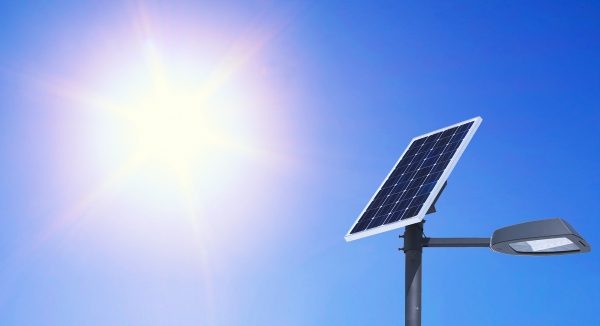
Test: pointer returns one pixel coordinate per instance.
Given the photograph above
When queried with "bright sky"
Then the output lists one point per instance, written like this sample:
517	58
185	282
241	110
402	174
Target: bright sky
199	162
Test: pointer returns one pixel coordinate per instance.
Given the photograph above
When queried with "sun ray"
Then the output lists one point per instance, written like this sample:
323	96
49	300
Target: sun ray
173	125
248	45
71	216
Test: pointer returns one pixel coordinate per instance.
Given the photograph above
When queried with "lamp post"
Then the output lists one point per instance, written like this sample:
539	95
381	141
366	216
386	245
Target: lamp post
411	190
537	238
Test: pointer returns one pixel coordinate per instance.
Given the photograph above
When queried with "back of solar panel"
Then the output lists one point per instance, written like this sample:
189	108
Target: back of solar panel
411	187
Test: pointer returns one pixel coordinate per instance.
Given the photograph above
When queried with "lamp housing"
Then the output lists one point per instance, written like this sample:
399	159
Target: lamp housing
552	236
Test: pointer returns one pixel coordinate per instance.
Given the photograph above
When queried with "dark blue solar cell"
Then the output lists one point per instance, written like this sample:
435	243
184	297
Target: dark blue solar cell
446	156
409	193
371	211
399	206
429	162
403	204
391	199
374	205
394	191
444	163
426	147
458	136
435	152
411	212
425	189
385	209
384	192
360	226
406	177
390	182
396	174
405	161
442	142
393	180
394	217
418	142
412	167
417	182
433	177
448	132
426	168
423	172
377	222
377	202
412	151
399	188
440	166
367	220
431	140
419	200
465	127
408	159
382	195
363	220
368	215
419	157
401	168
375	219
452	146
407	167
404	185
414	206
398	171
415	145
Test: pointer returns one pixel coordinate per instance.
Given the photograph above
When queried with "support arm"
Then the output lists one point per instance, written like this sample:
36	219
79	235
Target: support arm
456	242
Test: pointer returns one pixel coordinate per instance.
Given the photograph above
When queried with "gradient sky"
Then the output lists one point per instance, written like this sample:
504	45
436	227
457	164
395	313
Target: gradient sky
199	162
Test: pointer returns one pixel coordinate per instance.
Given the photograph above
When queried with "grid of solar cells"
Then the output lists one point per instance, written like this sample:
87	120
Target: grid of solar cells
409	185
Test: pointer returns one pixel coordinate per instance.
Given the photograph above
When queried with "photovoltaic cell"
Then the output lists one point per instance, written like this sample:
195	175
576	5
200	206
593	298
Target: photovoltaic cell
413	179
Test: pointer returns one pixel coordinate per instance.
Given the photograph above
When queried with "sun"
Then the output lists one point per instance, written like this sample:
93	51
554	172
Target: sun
176	122
168	127
175	115
172	127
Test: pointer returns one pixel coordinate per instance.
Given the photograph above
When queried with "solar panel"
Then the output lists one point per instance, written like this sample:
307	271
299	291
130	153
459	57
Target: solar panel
418	176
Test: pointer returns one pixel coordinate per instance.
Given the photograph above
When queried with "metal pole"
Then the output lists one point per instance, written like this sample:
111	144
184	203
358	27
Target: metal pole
413	250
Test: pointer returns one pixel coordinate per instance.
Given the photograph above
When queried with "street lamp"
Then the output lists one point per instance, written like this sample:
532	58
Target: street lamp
411	190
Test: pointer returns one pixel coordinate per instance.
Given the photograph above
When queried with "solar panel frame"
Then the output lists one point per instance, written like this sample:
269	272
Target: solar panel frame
432	195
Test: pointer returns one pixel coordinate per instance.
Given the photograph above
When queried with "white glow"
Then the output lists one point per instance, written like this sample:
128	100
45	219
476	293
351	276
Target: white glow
538	245
171	128
545	245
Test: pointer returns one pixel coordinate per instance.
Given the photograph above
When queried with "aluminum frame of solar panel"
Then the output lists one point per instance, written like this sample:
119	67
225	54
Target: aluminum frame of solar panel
432	195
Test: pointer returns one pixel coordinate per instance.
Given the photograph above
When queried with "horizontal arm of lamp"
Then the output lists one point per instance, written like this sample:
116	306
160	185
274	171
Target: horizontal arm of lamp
456	242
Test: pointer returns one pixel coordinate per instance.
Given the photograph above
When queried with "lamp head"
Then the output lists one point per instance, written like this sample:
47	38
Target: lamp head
552	236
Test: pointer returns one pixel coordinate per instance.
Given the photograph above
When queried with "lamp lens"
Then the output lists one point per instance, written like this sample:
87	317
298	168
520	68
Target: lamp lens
544	245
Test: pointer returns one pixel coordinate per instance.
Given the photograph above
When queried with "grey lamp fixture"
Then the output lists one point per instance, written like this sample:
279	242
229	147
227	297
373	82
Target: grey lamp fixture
539	238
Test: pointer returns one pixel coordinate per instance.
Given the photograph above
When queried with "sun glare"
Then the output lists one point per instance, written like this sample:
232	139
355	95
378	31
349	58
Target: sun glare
177	116
178	126
171	128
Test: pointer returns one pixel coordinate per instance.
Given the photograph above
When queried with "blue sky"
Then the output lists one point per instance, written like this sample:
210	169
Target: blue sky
199	163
